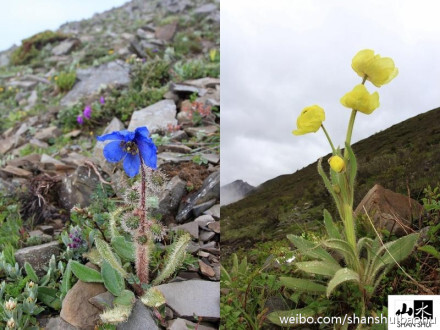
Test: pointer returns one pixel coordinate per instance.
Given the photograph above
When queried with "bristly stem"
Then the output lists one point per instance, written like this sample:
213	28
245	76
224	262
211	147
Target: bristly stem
329	139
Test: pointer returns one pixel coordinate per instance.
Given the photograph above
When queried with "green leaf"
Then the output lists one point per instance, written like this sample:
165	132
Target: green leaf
342	247
67	278
126	298
49	297
318	267
299	284
430	250
30	272
311	249
85	273
393	252
113	280
330	226
107	254
124	248
341	276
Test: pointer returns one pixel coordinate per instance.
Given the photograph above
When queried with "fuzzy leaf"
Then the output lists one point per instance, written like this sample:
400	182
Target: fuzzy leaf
107	254
175	259
85	273
124	248
153	298
113	280
30	272
430	250
299	284
49	297
341	276
330	226
67	277
311	249
118	314
344	248
318	267
126	298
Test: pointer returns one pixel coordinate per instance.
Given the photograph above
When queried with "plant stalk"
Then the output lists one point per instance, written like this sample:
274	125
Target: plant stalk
329	139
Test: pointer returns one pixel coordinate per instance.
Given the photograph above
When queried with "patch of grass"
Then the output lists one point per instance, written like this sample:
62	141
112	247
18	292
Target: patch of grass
66	80
187	43
151	74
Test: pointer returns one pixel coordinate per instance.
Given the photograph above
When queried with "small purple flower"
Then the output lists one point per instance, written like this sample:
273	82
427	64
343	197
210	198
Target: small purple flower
102	100
155	50
130	146
87	111
80	119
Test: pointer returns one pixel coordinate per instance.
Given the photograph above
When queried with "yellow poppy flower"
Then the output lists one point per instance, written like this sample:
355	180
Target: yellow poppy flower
309	120
337	163
359	99
379	70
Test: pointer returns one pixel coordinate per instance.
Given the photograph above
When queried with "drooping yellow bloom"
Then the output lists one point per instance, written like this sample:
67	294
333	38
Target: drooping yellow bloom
359	99
309	120
337	163
379	70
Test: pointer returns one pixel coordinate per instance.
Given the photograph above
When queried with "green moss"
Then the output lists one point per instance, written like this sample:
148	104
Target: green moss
31	47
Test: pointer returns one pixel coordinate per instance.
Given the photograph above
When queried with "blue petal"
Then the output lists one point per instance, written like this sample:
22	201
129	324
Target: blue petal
132	164
123	135
148	150
113	151
142	132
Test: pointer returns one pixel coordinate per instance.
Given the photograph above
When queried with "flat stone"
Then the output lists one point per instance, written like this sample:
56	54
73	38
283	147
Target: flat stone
210	190
206	269
193	247
76	308
191	227
178	135
46	159
32	100
39	144
212	158
57	323
156	117
65	47
195	297
205	9
206	235
207	130
38	256
75	158
166	32
204	220
206	82
47	133
23	84
6	144
215	226
182	324
173	157
202	207
109	168
214	211
73	134
174	147
103	300
46	229
141	318
16	171
114	73
182	89
34	233
171	196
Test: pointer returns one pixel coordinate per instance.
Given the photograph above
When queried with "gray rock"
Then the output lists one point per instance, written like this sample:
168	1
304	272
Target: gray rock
46	159
206	82
143	34
114	125
32	100
5	56
205	9
189	298
78	188
182	89
214	211
209	191
166	32
156	117
173	157
191	227
57	323
38	256
175	6
141	318
174	147
206	235
65	47
46	133
212	158
23	84
178	135
39	144
200	208
206	130
204	220
112	73
182	324
103	300
170	198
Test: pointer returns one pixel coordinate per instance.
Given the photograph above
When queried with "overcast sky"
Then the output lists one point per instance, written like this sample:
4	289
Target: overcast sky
280	56
20	19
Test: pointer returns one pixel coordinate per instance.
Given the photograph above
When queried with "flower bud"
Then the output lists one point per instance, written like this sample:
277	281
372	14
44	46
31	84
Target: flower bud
31	284
10	305
336	189
337	163
11	323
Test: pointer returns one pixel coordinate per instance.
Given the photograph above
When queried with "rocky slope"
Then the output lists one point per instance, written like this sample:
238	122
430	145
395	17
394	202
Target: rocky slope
147	63
234	191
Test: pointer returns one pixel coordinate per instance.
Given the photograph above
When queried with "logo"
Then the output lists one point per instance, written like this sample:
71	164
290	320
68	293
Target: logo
413	311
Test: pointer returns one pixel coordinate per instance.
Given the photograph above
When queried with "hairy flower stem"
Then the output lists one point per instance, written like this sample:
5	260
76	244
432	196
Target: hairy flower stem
329	139
143	249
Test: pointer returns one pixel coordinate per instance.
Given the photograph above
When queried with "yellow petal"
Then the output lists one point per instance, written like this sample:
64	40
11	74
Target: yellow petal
360	99
360	61
310	120
337	163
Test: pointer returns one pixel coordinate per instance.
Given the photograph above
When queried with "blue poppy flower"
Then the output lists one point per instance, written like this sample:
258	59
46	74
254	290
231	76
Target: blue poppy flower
130	146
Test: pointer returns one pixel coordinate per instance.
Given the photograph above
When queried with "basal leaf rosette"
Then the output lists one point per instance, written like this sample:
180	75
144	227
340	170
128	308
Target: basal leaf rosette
361	100
310	120
378	70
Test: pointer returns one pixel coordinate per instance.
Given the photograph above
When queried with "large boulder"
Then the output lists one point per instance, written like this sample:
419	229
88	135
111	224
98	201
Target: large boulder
389	210
38	256
156	117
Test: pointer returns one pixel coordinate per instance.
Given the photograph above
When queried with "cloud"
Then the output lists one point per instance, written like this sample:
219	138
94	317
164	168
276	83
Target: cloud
281	56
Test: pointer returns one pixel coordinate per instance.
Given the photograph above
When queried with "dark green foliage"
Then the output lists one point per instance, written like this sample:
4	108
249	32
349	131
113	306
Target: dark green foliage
31	47
153	73
405	154
10	224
